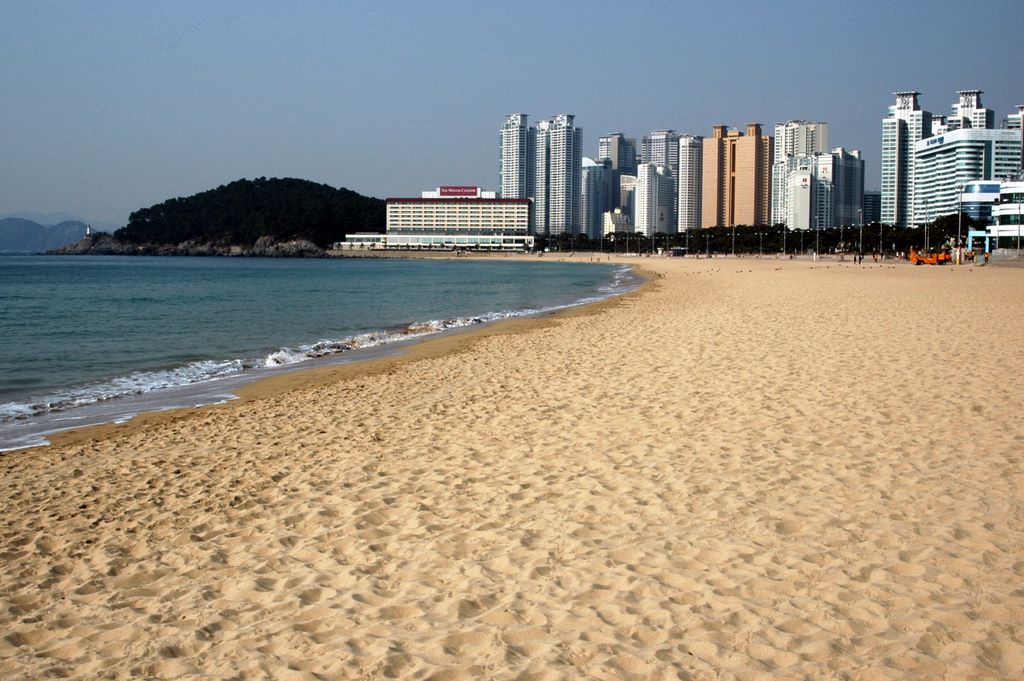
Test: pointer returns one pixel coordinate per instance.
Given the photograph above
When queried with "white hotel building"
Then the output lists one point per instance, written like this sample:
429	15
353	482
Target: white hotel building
459	217
944	164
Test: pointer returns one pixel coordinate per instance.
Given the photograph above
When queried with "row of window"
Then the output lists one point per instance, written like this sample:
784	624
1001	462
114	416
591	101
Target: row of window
508	207
475	219
506	217
466	242
462	229
475	231
443	224
460	213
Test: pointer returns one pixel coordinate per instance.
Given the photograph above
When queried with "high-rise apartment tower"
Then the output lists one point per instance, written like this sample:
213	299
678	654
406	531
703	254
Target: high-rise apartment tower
599	185
905	126
736	186
800	137
655	192
794	138
518	147
969	113
618	149
661	148
689	179
558	172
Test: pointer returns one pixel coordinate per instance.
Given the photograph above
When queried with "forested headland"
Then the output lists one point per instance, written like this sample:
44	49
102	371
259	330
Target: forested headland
243	211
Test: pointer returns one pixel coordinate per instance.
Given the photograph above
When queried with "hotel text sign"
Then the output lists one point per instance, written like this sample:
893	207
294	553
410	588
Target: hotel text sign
457	190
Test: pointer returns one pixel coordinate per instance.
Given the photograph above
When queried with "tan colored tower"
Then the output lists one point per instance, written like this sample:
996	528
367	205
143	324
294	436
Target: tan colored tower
736	187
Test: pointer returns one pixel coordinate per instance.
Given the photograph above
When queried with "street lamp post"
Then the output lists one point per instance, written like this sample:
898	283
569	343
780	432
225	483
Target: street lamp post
927	219
707	247
817	237
959	222
734	240
860	237
760	243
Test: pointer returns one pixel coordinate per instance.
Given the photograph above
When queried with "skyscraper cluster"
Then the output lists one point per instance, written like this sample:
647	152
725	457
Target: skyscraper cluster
676	182
928	159
685	182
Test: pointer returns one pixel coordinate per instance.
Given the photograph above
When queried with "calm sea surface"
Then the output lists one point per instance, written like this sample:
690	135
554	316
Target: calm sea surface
99	339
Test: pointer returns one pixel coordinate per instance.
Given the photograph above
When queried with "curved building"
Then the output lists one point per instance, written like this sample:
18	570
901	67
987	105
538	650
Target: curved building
977	200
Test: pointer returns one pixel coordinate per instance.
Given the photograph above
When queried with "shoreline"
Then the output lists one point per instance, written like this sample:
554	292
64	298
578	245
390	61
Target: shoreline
749	469
340	367
394	352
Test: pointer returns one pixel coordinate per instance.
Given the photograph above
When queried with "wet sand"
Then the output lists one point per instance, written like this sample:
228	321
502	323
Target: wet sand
751	469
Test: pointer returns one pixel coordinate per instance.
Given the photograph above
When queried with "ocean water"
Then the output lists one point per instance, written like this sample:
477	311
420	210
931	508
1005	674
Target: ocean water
99	339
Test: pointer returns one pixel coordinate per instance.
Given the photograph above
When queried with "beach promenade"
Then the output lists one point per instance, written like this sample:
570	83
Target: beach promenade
750	469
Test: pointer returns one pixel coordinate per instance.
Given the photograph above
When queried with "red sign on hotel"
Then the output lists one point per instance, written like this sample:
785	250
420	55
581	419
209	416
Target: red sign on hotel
456	190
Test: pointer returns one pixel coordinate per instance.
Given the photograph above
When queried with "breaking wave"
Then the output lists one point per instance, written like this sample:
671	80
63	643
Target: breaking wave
144	382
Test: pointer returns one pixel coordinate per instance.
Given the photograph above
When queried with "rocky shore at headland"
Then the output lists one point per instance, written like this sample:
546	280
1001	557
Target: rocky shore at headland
266	247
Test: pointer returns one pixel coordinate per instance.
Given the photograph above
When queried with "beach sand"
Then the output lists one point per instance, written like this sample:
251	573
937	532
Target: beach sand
751	469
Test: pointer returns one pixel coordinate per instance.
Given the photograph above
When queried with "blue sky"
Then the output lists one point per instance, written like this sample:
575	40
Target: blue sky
113	106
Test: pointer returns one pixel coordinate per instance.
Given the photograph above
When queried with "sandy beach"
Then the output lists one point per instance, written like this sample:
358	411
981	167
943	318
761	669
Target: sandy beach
750	469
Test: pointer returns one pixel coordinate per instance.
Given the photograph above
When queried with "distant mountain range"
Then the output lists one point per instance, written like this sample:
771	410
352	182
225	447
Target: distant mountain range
57	218
18	235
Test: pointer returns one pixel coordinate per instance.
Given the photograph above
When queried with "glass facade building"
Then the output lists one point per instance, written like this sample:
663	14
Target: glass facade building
978	199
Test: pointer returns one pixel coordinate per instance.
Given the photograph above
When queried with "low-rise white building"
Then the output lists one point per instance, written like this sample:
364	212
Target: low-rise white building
360	241
978	201
453	217
1007	227
616	221
1009	213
